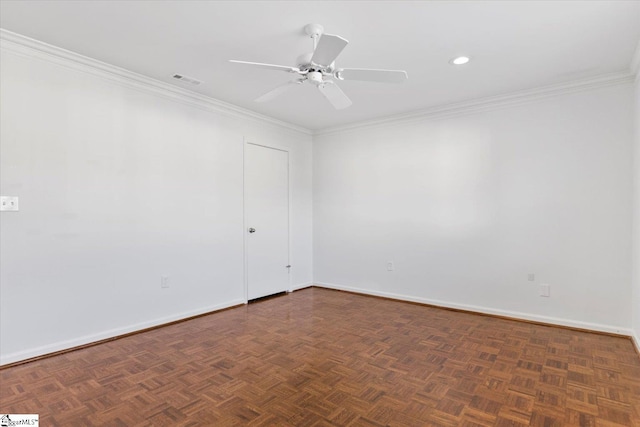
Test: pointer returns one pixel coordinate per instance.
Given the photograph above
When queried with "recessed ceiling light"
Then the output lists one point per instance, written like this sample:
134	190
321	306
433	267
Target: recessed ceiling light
459	60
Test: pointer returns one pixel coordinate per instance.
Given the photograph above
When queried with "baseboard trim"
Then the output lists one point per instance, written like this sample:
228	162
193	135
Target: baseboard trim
38	353
301	286
635	339
503	314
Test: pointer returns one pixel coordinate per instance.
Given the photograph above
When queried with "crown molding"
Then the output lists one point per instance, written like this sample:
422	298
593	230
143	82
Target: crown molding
635	61
25	46
488	103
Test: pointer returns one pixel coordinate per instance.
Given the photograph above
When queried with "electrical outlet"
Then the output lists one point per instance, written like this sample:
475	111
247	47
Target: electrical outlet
9	203
544	290
390	266
531	277
164	282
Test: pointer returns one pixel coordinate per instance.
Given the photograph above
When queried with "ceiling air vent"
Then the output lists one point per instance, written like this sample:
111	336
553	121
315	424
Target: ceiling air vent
186	79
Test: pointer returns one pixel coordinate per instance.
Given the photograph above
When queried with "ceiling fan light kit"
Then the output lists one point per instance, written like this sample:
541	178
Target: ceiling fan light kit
318	68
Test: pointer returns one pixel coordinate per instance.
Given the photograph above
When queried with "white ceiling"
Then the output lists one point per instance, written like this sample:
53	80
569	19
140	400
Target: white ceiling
514	45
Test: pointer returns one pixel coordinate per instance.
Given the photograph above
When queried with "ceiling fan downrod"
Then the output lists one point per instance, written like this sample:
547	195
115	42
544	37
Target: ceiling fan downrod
314	31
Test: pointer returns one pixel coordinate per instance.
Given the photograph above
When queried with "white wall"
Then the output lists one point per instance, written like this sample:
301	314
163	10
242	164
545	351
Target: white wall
635	300
121	185
118	187
467	206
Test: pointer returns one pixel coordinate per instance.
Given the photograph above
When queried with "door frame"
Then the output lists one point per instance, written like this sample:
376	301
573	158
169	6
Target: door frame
246	141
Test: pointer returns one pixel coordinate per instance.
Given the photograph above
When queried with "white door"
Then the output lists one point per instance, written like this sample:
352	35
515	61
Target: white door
267	220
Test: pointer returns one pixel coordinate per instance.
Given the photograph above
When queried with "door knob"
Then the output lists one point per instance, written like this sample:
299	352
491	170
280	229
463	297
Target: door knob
252	230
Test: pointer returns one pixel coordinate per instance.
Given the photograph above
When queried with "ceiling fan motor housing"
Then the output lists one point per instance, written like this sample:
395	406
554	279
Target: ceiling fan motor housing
304	64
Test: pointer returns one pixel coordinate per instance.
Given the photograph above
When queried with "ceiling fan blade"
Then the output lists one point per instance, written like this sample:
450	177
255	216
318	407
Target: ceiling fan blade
335	95
277	91
267	66
328	49
380	76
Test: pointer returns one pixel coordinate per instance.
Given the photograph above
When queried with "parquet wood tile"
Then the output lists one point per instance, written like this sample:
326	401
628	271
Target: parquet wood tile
318	357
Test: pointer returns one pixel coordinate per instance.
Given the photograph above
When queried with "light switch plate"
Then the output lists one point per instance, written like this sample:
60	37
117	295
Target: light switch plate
9	203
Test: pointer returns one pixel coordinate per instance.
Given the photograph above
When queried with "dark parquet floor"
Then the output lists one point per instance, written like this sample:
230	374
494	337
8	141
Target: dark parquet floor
318	357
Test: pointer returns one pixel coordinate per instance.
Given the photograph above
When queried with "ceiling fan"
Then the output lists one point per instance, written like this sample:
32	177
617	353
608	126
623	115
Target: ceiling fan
318	68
